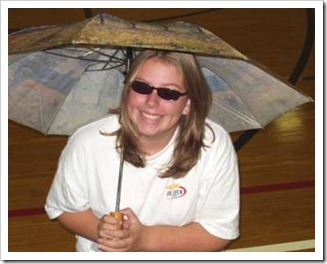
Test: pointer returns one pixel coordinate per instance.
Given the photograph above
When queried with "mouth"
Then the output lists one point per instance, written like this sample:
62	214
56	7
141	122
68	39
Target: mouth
150	117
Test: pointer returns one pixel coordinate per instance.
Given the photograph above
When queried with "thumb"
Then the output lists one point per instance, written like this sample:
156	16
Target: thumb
131	216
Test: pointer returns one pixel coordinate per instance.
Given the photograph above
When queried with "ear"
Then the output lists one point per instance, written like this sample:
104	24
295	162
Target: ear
187	107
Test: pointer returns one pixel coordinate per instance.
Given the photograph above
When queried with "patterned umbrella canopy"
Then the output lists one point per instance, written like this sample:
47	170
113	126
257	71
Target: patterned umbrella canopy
62	77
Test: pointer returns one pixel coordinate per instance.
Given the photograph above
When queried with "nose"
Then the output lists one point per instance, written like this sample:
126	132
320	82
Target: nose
152	99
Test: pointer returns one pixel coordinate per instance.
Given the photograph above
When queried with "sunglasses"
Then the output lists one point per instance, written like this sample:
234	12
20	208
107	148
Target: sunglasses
164	93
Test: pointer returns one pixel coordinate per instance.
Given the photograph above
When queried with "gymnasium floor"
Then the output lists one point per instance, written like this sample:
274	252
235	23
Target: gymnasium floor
277	166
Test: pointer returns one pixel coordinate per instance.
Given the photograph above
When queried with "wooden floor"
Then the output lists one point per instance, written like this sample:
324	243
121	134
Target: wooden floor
277	166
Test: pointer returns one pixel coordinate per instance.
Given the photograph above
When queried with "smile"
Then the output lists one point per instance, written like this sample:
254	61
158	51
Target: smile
151	117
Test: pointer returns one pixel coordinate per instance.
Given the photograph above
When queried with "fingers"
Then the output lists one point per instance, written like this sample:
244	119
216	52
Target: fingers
107	227
113	234
112	219
114	238
117	235
126	224
114	245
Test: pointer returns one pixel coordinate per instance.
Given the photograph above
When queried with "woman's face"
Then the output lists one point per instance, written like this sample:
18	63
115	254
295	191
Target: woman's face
155	118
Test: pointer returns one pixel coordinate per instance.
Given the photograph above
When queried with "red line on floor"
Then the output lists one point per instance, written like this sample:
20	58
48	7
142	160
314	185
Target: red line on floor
26	212
277	187
244	190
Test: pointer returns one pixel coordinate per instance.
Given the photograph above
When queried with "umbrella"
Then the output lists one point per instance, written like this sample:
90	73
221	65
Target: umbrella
62	77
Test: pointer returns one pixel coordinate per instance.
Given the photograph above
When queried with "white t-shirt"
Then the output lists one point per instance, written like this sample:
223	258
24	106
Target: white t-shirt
87	177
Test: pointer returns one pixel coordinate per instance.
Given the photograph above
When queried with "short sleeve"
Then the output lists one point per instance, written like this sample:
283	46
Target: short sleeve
218	203
68	192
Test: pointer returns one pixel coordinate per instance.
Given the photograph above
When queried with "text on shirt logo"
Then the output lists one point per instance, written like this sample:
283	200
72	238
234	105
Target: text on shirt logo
175	190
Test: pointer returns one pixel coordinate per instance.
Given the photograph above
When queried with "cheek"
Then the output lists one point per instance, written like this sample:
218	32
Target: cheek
175	110
133	100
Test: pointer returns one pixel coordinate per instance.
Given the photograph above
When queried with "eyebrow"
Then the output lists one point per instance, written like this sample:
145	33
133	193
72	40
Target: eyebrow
161	86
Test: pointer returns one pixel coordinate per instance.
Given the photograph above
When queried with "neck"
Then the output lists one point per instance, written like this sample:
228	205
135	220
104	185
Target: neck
151	146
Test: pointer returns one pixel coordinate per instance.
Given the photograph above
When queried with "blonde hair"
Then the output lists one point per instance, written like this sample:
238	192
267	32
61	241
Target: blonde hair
190	139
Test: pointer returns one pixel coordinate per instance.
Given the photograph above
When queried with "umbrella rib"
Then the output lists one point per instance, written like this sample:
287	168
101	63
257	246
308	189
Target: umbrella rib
239	114
104	68
208	64
113	61
41	113
71	57
111	57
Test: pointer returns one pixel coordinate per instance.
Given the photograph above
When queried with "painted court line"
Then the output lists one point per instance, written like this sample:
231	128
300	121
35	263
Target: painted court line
277	187
282	247
26	212
244	190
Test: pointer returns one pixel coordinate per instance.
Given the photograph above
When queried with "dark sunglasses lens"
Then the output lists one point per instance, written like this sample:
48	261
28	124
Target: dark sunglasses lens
168	94
141	87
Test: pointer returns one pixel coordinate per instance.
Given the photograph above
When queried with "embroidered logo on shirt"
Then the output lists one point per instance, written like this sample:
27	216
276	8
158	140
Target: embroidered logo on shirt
175	190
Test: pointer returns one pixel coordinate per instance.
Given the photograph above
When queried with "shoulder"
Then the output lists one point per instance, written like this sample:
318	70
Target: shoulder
106	124
219	146
218	159
216	134
92	133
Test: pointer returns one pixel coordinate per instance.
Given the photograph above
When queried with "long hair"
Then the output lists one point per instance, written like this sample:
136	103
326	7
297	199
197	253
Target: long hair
190	138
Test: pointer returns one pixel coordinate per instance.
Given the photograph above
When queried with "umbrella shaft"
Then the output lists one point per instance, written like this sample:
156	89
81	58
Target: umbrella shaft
129	57
120	177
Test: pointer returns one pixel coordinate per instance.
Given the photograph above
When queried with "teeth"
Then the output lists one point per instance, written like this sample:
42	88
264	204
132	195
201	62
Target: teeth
150	117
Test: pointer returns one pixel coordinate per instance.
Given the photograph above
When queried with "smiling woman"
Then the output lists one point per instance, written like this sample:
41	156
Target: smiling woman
156	119
180	180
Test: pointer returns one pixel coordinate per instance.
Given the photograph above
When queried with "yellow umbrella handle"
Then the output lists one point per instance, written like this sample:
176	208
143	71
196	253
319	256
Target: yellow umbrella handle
118	216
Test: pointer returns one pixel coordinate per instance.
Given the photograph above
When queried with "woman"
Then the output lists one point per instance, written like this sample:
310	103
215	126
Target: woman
180	189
